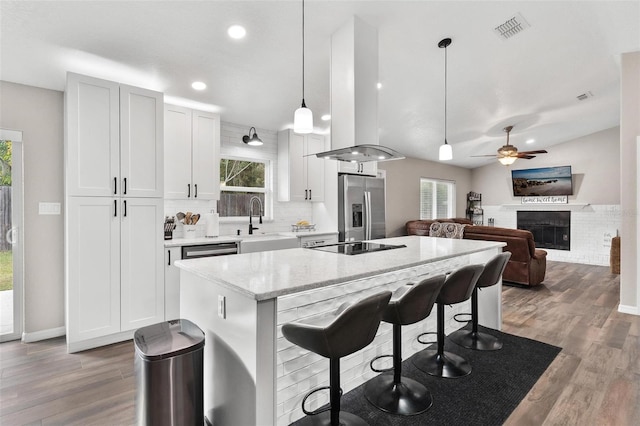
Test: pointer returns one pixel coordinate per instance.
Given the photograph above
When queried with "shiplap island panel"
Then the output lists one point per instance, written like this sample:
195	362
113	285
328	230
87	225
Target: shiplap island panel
255	376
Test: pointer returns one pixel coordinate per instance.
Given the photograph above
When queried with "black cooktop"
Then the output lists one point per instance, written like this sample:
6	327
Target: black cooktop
355	247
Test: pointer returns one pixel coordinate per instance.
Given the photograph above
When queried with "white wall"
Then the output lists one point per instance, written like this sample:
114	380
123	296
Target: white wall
595	205
38	113
630	197
403	189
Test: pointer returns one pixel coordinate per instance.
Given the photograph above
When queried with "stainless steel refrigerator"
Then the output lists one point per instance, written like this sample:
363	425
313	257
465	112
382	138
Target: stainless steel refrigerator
360	208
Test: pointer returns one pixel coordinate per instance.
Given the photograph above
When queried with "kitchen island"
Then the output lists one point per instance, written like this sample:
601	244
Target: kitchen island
252	374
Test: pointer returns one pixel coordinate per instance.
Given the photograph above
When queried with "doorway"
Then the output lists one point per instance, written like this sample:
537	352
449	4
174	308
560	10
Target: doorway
11	236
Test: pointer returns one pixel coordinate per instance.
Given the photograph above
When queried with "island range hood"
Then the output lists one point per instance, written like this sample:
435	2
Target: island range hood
354	96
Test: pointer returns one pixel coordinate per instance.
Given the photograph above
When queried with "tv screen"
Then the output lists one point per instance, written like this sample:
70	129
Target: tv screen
542	181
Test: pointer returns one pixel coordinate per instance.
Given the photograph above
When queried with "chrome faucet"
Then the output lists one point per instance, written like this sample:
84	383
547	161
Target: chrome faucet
260	212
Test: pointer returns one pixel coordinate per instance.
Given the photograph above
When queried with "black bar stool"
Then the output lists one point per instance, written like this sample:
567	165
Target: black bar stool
394	393
457	288
473	339
333	336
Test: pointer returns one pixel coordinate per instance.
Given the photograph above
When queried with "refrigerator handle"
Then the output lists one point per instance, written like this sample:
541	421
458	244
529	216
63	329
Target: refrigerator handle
367	217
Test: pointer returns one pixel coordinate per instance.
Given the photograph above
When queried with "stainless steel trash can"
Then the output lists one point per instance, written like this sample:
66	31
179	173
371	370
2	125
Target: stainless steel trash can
168	368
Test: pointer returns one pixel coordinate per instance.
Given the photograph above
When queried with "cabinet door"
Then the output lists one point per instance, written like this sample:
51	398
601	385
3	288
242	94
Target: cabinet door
92	136
141	147
177	152
171	283
206	156
315	167
370	168
142	272
93	267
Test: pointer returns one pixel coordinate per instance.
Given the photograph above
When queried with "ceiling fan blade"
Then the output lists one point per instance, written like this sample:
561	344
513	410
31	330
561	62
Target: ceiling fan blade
485	155
525	156
540	151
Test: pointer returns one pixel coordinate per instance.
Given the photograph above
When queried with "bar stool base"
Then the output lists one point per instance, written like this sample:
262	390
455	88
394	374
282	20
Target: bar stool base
447	365
406	398
324	419
477	341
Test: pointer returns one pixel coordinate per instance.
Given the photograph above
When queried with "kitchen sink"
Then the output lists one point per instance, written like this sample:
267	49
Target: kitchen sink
265	242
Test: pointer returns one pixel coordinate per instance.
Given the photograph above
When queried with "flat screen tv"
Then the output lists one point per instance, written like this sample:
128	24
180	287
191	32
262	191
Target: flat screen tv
542	181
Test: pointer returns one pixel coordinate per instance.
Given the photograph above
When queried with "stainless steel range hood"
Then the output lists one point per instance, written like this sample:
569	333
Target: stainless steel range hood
354	95
362	154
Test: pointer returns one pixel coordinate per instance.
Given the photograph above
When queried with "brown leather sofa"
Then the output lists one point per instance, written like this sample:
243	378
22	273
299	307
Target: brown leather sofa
527	264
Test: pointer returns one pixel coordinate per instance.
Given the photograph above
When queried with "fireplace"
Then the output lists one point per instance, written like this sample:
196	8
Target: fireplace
550	229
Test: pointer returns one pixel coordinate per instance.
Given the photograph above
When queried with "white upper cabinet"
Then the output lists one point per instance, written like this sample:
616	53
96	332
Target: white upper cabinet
370	168
114	139
300	173
192	154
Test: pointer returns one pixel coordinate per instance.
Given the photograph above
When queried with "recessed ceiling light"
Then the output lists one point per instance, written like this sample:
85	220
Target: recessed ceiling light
325	117
198	85
379	85
530	140
236	31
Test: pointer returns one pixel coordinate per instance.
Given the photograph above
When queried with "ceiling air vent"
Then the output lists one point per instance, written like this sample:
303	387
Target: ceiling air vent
584	96
514	25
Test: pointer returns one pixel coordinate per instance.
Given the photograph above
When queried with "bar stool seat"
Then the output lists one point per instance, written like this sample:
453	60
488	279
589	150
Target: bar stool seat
347	330
457	288
391	392
474	339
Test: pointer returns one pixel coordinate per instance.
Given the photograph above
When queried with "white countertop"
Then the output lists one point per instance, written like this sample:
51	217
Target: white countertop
270	274
179	242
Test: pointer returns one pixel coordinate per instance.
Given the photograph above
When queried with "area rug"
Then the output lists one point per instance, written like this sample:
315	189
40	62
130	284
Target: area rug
498	382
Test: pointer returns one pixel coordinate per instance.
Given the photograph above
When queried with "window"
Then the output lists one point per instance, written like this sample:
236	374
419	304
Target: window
240	180
437	198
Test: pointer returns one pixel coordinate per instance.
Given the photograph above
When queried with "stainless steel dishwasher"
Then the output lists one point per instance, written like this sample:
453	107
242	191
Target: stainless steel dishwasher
209	250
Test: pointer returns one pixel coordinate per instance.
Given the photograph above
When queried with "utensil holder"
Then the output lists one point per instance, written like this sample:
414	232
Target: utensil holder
189	231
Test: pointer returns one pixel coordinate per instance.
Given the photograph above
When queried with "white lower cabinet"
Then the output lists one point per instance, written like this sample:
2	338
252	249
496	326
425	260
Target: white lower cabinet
115	276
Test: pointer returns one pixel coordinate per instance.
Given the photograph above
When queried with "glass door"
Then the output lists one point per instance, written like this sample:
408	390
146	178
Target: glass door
11	235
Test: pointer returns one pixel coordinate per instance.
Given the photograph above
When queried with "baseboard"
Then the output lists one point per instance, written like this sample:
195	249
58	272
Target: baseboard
97	342
628	309
37	336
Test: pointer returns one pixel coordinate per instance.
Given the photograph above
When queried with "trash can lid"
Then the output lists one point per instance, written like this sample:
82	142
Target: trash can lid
168	339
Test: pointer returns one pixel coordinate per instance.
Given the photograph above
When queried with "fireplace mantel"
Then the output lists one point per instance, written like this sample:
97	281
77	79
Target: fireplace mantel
569	206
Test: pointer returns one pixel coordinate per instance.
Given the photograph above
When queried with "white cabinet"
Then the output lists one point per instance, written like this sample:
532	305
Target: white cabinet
171	283
114	266
113	139
300	173
192	154
114	210
370	168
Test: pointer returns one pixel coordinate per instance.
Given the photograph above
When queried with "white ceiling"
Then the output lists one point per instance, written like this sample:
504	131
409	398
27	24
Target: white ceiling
530	81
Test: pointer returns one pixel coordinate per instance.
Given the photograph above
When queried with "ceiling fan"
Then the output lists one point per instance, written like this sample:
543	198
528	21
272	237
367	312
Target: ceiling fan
508	154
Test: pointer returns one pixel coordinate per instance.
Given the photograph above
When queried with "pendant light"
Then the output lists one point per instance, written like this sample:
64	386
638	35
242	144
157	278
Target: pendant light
445	153
303	117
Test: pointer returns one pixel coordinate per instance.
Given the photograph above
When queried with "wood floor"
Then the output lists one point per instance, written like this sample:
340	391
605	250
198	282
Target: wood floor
595	380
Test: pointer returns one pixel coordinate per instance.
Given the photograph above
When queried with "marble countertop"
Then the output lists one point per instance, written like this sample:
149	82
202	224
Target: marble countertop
270	274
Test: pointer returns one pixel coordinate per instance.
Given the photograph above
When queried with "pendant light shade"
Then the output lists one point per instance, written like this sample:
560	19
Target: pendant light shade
303	117
303	120
446	152
507	161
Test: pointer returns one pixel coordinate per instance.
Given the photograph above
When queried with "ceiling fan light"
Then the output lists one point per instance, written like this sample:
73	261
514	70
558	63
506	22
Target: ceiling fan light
303	120
446	152
507	161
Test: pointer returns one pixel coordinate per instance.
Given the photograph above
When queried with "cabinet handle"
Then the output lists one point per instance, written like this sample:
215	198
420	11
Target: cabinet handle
310	194
115	208
195	187
188	190
125	208
115	186
306	191
124	189
169	254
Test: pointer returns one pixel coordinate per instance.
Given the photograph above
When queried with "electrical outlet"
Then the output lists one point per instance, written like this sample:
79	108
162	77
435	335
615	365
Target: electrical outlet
222	306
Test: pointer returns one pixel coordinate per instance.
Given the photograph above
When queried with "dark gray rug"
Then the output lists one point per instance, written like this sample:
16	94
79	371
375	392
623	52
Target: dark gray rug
498	382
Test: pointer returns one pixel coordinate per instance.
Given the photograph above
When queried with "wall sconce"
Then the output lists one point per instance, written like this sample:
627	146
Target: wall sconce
252	140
